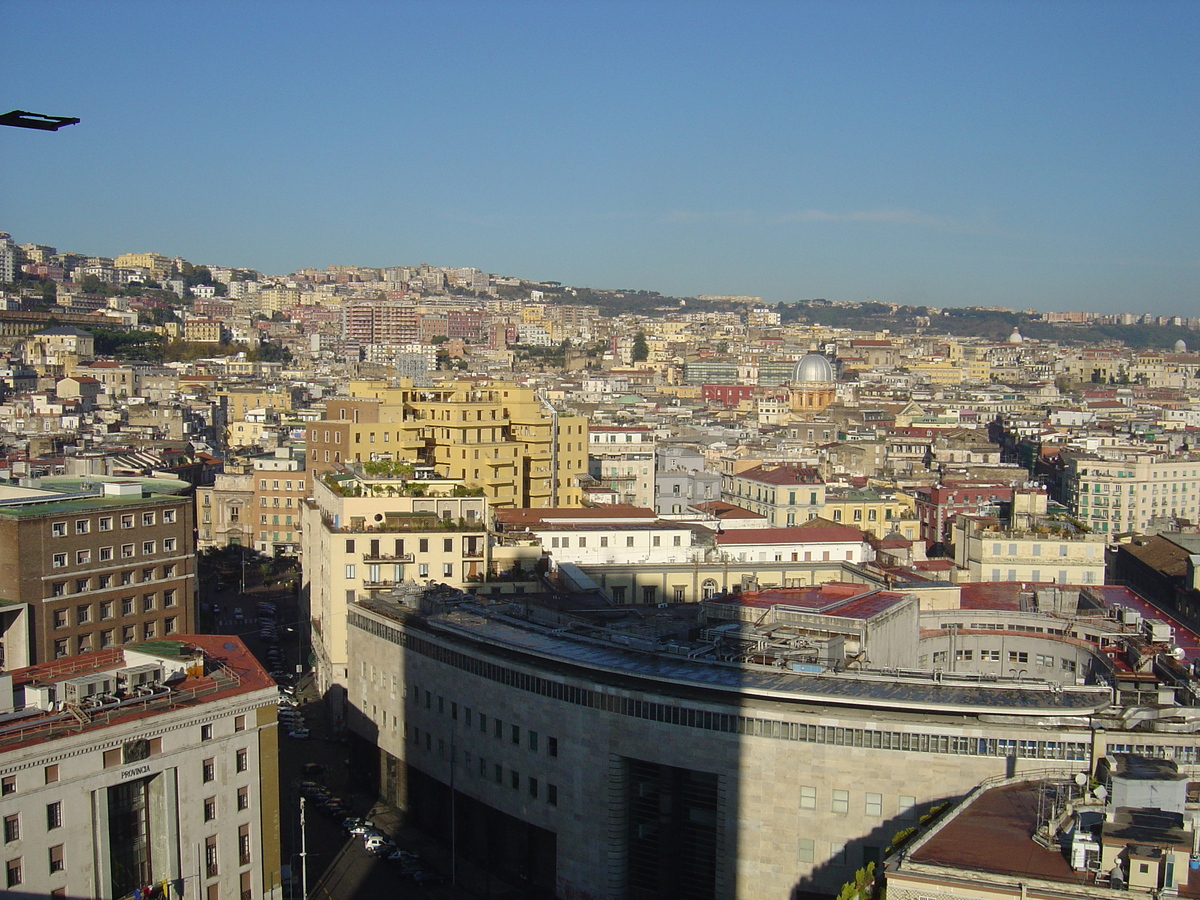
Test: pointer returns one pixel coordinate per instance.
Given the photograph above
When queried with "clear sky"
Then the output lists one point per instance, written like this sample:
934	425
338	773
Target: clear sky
951	153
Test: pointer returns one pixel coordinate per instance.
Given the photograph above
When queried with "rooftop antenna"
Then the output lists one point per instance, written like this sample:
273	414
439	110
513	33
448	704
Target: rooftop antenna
19	118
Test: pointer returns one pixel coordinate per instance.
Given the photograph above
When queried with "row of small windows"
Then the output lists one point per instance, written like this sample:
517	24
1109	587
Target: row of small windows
106	638
105	523
582	541
115	579
1021	657
472	765
708	720
107	554
107	609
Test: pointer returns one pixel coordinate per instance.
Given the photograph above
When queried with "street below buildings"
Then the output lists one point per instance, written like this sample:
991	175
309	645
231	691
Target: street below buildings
317	768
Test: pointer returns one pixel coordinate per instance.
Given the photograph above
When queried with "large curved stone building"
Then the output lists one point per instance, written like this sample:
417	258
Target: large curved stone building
754	751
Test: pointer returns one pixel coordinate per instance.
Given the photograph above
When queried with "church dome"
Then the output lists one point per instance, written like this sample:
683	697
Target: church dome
1015	337
812	367
1181	346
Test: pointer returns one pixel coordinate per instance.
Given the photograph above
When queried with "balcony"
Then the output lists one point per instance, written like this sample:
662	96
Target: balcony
381	584
387	557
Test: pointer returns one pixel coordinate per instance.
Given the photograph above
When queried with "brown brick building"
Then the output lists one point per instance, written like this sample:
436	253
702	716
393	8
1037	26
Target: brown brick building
87	567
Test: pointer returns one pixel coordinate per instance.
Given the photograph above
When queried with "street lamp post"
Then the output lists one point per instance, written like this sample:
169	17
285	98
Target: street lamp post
303	854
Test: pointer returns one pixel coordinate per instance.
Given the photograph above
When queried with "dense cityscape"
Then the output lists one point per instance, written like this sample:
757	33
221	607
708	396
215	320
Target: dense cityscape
554	591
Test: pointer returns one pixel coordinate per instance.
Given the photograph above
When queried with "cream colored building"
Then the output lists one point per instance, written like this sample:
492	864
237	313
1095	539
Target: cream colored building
1120	490
1030	546
155	762
499	437
365	534
873	512
984	551
158	265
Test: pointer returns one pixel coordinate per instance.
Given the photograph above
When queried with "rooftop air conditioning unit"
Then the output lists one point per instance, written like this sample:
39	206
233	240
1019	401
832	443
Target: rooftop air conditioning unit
78	690
132	678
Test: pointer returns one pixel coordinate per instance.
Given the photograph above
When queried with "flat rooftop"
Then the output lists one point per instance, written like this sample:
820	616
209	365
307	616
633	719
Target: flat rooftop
666	662
994	833
200	668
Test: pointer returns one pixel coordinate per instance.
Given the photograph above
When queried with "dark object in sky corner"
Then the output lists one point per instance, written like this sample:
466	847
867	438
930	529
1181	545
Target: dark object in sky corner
19	118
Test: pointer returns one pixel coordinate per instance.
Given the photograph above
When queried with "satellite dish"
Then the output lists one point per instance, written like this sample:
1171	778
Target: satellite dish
1179	653
1100	793
1081	778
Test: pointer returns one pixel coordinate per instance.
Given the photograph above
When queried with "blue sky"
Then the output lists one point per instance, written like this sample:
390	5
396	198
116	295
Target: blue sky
1024	154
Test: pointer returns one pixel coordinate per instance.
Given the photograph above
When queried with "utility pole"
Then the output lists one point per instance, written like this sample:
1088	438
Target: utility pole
453	817
303	854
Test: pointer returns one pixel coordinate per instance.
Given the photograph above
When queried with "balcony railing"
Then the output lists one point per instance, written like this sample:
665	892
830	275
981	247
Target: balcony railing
388	557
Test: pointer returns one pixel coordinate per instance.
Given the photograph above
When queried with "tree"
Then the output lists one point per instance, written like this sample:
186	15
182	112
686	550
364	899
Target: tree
641	351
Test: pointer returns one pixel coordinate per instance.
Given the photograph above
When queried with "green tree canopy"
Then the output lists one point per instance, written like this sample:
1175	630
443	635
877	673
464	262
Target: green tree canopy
641	350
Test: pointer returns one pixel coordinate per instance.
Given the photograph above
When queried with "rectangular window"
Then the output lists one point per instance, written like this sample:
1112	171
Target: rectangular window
874	806
59	529
210	808
208	770
808	797
51	772
59	560
168	517
106	554
805	851
8	785
54	815
105	523
168	545
841	802
12	828
243	799
83	557
126	551
12	872
242	761
57	862
552	794
127	521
